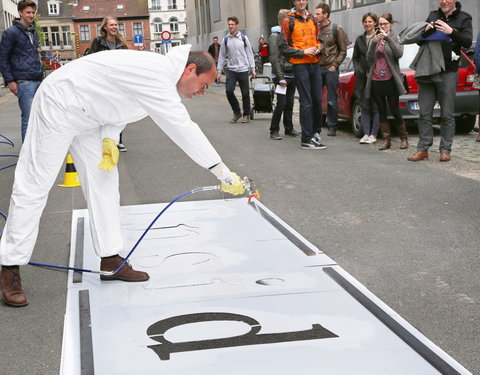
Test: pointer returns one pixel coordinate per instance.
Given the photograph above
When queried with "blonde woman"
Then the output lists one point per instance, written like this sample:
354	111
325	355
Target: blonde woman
110	39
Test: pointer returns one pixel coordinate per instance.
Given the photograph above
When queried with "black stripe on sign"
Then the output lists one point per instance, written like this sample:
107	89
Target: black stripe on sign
78	262
70	168
86	344
281	228
411	340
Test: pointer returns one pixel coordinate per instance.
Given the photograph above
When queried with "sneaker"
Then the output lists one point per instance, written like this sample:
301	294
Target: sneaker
245	119
121	147
275	136
317	137
235	118
364	139
332	132
313	145
371	139
292	133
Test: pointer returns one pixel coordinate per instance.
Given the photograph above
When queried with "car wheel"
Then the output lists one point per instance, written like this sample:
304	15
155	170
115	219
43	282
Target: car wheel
357	119
465	124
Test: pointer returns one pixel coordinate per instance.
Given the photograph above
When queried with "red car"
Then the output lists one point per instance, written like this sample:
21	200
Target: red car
466	102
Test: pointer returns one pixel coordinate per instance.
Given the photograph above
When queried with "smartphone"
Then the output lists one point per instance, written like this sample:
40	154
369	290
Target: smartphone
377	30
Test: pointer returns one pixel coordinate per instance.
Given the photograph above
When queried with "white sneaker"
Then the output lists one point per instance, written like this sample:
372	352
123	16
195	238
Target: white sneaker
317	137
371	139
364	139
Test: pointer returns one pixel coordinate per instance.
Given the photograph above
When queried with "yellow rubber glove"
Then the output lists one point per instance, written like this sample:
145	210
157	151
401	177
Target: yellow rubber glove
235	188
110	154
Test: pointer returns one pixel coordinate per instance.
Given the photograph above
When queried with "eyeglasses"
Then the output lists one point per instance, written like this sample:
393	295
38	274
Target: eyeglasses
384	23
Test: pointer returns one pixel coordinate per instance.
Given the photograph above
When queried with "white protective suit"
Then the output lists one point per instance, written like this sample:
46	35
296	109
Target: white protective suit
77	106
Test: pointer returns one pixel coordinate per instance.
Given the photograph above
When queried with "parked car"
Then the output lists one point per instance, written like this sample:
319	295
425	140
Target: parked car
466	101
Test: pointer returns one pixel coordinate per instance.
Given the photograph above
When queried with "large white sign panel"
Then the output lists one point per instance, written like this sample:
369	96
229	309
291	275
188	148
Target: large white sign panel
232	290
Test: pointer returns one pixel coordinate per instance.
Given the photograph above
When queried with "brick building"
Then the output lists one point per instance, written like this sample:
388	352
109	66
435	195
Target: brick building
132	15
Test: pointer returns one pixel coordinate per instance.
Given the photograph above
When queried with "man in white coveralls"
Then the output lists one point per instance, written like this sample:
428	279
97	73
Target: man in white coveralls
82	108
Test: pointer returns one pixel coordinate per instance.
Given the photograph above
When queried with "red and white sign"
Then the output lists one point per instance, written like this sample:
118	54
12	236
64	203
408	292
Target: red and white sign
165	35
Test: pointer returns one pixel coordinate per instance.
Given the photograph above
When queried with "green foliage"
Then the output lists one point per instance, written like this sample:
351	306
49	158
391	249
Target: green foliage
38	26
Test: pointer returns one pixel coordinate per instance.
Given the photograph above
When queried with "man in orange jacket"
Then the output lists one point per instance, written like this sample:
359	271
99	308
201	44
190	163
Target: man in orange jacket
302	47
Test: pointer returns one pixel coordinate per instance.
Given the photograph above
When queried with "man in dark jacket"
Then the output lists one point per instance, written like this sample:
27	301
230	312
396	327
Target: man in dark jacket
282	74
19	59
452	28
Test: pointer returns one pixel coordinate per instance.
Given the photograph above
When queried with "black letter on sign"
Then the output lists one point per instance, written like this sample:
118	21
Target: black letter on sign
157	330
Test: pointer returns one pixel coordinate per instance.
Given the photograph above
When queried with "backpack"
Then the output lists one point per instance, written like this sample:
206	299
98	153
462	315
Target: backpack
225	40
334	28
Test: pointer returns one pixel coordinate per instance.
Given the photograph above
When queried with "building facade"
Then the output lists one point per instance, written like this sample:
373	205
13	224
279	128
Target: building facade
208	18
9	13
169	16
132	15
55	19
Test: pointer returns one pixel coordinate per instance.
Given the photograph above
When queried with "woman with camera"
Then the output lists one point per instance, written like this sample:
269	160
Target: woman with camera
385	82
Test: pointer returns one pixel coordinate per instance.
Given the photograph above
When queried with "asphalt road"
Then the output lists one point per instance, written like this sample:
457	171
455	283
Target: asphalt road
408	231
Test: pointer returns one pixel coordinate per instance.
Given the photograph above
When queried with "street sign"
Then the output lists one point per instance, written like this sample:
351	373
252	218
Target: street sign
165	35
138	40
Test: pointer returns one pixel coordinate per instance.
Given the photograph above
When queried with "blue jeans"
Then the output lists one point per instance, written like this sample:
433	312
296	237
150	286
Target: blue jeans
309	85
370	116
285	106
330	79
242	78
26	92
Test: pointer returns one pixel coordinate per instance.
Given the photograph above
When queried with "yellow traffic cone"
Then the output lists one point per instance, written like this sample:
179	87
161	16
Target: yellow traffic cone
71	176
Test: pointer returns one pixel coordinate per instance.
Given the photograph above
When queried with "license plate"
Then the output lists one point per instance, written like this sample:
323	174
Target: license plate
414	105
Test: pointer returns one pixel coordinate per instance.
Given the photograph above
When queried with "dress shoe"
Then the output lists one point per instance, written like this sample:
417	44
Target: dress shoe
332	132
235	118
445	156
419	155
478	137
126	273
11	284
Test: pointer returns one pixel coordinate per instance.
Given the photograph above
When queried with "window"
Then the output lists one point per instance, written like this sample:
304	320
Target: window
66	36
172	4
137	29
157	25
121	29
86	7
84	33
119	6
45	42
97	30
156	5
55	34
174	24
53	8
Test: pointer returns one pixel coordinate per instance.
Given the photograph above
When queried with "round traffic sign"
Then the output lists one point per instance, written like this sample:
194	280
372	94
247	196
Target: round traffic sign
165	35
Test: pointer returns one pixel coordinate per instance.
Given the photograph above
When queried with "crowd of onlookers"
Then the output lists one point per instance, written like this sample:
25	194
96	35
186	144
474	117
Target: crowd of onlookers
306	49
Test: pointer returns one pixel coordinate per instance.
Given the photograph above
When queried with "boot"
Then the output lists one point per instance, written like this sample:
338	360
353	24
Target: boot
126	273
387	136
12	292
402	130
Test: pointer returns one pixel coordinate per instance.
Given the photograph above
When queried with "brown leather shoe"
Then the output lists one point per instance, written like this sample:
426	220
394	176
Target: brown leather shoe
126	273
12	292
478	137
445	156
419	155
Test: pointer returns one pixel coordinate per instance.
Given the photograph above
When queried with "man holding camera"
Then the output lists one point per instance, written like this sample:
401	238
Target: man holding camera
452	28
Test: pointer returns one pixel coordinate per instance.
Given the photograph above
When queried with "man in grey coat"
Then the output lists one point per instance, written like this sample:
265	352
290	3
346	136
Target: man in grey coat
452	29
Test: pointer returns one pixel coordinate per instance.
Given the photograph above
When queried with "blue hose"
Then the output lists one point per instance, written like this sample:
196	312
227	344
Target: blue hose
11	165
205	188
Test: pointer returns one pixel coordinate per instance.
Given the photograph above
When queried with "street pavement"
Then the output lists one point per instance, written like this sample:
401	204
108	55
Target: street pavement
408	231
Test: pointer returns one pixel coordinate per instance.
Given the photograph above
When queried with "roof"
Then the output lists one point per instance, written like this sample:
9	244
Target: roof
104	8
